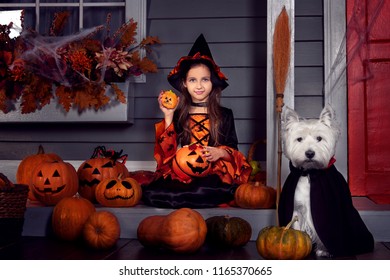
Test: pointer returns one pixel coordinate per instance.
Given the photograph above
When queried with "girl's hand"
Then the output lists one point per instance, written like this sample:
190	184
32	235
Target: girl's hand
213	154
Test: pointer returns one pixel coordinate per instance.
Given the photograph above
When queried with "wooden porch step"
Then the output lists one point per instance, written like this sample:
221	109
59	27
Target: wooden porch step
376	217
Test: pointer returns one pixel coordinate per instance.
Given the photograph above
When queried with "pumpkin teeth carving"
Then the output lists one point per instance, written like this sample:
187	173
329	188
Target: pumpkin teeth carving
91	183
197	170
50	190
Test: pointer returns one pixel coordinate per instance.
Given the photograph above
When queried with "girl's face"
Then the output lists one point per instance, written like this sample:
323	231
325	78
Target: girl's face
198	83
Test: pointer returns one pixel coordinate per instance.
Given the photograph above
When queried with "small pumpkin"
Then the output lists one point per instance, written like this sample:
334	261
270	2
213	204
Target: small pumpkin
25	169
182	231
283	243
69	216
118	192
255	195
228	232
101	230
102	164
52	181
169	99
188	162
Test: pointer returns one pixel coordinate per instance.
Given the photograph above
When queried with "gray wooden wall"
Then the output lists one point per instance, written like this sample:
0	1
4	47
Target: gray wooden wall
236	32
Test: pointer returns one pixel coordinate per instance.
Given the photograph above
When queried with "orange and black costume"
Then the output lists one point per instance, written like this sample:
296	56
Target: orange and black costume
169	190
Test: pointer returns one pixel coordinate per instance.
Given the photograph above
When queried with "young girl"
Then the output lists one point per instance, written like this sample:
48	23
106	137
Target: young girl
197	119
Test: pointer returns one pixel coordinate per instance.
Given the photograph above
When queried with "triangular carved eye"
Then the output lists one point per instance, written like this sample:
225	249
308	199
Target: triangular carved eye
56	174
108	164
193	153
87	165
40	174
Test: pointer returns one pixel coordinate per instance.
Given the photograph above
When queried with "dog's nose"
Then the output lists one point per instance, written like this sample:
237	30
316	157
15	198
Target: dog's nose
310	154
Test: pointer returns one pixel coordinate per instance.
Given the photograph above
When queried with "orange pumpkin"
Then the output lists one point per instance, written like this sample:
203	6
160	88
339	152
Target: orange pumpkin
169	99
52	181
255	195
118	192
283	243
69	216
101	230
182	231
24	172
103	164
188	162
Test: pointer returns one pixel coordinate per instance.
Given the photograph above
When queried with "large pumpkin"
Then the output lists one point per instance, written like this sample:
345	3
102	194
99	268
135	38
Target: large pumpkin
255	195
188	162
52	181
101	230
103	164
69	216
228	232
283	243
182	231
118	192
24	172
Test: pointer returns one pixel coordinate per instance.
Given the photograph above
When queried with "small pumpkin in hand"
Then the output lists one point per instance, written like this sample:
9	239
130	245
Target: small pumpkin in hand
25	169
169	99
225	231
182	231
188	162
283	243
52	181
118	192
101	230
255	195
69	216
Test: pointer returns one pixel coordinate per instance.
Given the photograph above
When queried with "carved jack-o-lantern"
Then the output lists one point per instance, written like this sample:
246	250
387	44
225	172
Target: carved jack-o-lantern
102	165
188	162
169	99
52	181
118	192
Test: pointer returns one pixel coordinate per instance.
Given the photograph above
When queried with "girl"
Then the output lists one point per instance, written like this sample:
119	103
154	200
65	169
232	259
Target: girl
197	119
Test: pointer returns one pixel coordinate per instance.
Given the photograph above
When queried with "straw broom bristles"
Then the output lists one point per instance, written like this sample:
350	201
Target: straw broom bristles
281	61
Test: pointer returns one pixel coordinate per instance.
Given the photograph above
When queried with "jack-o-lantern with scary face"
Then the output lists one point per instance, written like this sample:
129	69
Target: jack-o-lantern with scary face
188	162
54	180
118	192
102	165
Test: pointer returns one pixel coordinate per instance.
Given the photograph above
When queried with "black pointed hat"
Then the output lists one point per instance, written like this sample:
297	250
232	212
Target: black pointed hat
199	52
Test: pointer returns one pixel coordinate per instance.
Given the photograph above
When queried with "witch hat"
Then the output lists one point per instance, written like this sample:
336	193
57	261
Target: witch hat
199	53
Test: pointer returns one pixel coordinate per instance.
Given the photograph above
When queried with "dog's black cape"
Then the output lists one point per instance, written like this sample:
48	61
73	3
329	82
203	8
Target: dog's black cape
337	222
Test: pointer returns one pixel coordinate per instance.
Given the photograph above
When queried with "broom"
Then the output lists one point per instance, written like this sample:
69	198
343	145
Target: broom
281	61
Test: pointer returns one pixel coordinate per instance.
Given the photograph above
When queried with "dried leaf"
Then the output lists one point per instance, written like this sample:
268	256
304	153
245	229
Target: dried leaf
120	95
59	22
127	34
65	97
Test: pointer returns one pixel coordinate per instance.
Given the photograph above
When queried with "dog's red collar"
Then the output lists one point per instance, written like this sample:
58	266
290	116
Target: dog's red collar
331	162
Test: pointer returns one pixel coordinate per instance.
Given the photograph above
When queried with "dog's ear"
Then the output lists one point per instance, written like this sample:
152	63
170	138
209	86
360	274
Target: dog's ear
327	115
289	116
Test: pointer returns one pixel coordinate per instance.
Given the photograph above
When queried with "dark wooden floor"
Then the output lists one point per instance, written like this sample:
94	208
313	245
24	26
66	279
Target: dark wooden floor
46	248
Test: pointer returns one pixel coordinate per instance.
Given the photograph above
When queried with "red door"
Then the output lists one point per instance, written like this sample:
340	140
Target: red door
368	51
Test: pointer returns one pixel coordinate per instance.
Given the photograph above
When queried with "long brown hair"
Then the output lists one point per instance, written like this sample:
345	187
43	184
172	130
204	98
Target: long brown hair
213	109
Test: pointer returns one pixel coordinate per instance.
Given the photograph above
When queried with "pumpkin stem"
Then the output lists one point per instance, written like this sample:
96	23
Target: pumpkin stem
294	219
120	176
41	151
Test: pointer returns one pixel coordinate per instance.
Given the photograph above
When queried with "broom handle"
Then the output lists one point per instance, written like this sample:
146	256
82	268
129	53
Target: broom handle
279	168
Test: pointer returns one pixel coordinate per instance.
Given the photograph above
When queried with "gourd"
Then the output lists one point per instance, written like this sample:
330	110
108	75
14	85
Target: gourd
228	232
182	231
52	181
103	164
118	192
283	243
255	195
25	169
188	162
101	230
69	216
169	99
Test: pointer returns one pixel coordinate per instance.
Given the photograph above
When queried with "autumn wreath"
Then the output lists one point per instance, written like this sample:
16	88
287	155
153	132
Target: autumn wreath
75	70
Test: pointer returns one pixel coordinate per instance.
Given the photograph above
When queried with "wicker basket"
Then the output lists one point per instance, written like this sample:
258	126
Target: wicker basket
13	199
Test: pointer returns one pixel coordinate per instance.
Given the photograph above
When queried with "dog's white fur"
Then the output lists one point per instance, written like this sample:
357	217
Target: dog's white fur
308	144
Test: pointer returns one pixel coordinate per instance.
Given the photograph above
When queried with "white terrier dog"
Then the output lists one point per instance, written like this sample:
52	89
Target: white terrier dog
315	191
